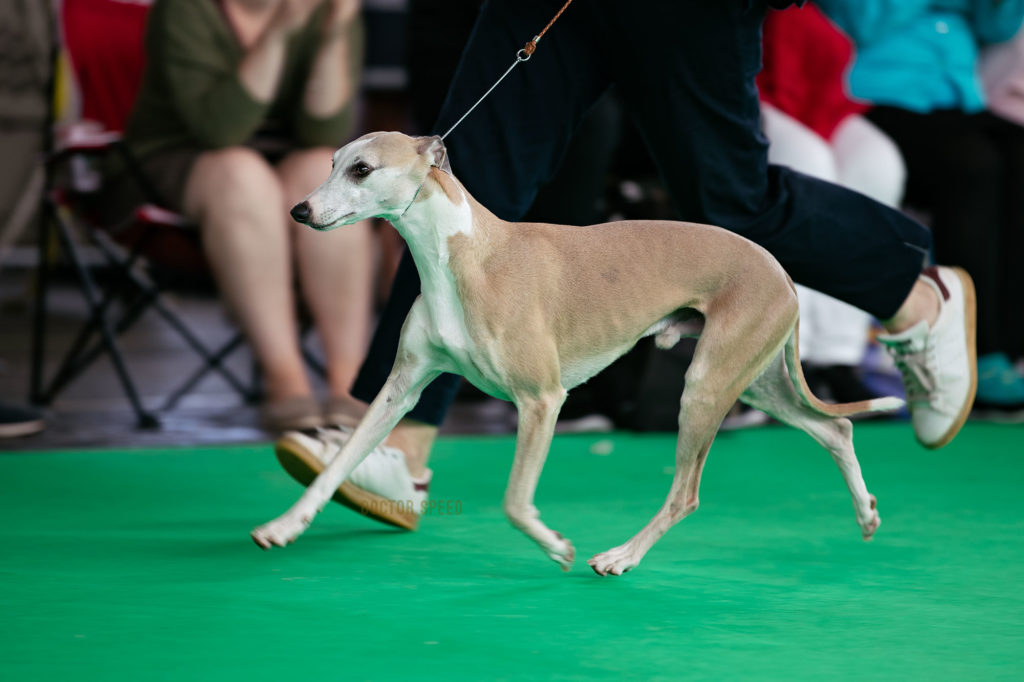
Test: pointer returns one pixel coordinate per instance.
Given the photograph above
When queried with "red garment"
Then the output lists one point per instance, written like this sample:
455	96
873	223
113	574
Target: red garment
104	41
806	59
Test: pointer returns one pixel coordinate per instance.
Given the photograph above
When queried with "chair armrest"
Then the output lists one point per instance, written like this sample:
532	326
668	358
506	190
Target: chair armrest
84	136
154	215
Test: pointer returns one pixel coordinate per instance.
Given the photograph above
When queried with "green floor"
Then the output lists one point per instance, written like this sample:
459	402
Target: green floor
137	565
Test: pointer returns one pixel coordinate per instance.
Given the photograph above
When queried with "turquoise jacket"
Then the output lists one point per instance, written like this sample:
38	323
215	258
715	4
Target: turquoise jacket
922	55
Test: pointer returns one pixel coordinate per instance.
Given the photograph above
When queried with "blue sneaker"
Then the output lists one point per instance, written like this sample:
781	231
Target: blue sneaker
998	381
1000	391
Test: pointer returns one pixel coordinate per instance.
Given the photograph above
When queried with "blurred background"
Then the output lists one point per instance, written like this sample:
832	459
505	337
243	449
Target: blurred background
116	332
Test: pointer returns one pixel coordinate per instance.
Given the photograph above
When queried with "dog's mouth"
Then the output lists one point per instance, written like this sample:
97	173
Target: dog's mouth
334	223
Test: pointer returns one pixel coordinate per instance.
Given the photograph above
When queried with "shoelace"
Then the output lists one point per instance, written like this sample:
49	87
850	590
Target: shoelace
918	369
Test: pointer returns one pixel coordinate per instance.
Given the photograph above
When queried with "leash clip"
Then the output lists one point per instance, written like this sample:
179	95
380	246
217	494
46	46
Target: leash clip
527	50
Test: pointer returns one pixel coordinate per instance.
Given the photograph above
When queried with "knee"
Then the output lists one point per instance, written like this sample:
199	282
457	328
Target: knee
235	180
304	170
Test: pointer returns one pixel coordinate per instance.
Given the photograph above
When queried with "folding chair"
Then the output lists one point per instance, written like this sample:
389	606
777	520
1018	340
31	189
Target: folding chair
103	39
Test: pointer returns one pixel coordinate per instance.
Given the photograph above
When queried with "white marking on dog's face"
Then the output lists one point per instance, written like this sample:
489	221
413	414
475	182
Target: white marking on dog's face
377	175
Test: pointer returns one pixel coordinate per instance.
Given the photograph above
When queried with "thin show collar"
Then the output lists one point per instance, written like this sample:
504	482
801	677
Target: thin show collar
418	189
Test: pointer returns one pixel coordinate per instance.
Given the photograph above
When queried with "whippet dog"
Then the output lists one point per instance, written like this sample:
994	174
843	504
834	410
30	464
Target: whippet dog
527	311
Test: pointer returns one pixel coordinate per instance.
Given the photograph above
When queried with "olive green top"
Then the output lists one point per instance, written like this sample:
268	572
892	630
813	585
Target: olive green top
191	95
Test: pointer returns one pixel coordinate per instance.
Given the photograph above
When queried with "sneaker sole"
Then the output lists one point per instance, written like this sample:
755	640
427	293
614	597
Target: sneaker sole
970	315
304	468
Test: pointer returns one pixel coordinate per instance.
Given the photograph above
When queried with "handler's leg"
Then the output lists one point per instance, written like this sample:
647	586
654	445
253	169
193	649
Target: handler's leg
690	87
510	144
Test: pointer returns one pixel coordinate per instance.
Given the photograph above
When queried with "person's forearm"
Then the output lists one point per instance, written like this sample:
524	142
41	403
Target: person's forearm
330	85
261	68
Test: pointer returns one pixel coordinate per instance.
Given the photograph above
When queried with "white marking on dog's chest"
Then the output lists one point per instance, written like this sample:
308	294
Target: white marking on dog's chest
427	232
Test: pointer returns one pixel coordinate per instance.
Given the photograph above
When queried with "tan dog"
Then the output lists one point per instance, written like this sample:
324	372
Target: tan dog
527	311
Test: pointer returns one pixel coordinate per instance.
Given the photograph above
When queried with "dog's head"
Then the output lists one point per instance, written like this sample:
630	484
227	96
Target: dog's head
378	175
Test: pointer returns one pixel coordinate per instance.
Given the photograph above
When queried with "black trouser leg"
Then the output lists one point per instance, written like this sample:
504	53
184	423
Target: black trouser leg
955	171
689	85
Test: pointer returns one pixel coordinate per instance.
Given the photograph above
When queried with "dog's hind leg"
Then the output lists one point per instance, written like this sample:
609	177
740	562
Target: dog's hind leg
724	363
773	392
537	416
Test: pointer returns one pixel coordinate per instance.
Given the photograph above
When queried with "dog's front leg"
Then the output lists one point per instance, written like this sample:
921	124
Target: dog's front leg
409	377
537	416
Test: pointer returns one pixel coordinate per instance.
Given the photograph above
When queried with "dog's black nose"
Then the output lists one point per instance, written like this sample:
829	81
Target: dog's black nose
302	212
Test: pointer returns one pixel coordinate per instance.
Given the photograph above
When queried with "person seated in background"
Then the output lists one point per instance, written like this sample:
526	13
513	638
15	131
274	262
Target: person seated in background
917	62
813	126
242	105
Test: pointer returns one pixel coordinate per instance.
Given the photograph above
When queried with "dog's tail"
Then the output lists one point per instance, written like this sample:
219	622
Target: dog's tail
796	376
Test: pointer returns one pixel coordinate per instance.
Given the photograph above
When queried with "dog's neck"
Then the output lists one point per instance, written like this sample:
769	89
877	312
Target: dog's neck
441	210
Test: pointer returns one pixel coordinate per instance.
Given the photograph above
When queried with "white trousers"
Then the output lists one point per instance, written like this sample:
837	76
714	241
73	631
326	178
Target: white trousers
859	157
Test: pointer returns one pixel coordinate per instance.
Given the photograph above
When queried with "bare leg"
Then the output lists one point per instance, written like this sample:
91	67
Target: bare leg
237	199
335	272
537	416
922	303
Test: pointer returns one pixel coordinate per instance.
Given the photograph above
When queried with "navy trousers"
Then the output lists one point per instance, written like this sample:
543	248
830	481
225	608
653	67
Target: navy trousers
684	70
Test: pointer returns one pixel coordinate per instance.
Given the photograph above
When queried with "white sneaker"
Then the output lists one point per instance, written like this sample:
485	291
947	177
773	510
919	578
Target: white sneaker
939	364
381	487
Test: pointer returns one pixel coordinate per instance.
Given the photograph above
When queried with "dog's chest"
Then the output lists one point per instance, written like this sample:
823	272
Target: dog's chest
448	332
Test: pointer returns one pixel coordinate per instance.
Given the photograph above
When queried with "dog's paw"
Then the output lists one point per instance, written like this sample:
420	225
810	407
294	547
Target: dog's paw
562	552
281	531
871	521
615	561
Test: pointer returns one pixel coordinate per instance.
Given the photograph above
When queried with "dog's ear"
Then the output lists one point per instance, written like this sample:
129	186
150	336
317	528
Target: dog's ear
433	148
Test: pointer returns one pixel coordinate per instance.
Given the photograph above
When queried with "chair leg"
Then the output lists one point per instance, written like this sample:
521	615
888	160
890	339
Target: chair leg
212	361
98	318
40	306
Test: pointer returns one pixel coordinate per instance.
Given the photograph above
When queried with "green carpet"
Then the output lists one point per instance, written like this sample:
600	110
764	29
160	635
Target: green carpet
137	565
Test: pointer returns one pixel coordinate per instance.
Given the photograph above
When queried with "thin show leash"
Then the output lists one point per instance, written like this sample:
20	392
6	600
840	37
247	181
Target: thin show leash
522	55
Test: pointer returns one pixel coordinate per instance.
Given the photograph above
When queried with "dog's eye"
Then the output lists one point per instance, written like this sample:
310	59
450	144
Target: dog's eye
360	170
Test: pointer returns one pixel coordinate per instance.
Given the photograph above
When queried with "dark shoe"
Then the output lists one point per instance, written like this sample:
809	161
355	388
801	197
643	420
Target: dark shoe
19	421
998	413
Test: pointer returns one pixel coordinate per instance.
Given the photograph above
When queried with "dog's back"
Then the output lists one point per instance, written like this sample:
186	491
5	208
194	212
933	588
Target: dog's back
604	286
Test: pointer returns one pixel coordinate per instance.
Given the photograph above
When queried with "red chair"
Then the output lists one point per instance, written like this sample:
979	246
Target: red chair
103	39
